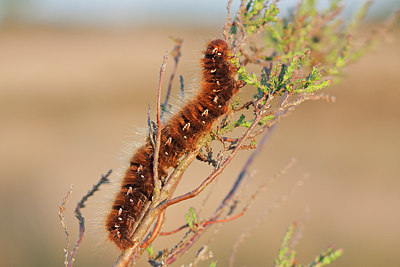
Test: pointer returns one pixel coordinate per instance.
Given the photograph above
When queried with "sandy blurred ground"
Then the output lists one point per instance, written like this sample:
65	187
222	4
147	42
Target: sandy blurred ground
70	100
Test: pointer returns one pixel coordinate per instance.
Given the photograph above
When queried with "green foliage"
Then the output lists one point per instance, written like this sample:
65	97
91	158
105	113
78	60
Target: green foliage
298	56
308	28
191	218
326	257
319	32
282	77
291	59
242	122
287	256
150	251
255	15
235	103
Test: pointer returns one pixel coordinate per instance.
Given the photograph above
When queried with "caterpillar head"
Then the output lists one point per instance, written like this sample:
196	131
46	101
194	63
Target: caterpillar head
217	48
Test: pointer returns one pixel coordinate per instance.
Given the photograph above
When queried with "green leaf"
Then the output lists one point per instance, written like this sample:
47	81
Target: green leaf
150	250
266	119
193	214
189	221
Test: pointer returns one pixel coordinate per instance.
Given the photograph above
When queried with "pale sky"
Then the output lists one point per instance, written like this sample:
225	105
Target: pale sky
140	12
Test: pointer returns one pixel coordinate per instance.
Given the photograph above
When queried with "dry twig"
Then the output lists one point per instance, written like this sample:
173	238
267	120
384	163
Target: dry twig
62	208
81	204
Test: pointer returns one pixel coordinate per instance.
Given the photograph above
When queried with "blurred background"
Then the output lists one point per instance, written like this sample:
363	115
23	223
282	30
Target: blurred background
75	81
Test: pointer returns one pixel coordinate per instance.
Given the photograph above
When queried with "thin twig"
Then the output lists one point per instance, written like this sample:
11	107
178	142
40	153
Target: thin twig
174	231
150	125
224	220
211	190
236	43
184	247
176	52
157	182
156	230
228	22
245	169
203	224
239	22
182	87
81	204
62	208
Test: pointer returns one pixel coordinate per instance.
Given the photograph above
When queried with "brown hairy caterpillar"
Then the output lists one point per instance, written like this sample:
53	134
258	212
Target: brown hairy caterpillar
179	135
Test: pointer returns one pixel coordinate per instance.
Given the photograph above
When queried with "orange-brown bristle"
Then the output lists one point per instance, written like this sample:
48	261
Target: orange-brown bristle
179	135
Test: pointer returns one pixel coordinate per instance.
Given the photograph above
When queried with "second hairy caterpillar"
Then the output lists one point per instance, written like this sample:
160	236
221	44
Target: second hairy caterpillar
178	136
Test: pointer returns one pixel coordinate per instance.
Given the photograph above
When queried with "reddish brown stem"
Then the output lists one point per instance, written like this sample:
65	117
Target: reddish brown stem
225	220
155	232
174	231
203	224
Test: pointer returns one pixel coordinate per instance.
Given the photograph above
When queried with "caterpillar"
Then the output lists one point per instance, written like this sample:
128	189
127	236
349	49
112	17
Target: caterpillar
179	135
